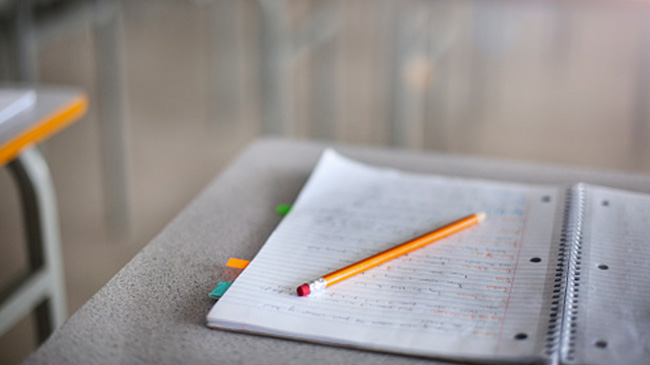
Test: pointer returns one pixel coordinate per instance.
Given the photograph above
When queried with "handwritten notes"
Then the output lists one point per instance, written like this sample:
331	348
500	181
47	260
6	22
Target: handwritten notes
474	294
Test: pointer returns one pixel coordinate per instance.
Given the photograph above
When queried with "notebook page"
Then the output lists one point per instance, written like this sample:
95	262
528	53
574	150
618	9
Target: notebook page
469	295
613	324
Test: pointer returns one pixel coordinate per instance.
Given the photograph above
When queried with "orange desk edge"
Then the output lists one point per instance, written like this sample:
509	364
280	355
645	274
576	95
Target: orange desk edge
44	128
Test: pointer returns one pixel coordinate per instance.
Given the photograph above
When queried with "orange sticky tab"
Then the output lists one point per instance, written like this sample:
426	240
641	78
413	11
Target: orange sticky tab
238	263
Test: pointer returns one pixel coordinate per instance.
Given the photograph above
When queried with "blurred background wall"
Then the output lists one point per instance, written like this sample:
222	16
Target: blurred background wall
563	82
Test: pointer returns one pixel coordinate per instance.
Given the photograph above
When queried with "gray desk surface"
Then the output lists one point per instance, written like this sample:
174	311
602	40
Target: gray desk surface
153	310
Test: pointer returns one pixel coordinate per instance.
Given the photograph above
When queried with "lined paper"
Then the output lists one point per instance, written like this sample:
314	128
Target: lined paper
466	296
613	324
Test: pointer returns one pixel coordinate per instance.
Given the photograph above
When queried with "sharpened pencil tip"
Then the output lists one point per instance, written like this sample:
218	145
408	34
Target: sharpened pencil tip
481	216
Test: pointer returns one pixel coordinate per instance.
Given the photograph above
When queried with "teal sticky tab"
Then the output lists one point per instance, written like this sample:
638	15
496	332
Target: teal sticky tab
283	209
220	289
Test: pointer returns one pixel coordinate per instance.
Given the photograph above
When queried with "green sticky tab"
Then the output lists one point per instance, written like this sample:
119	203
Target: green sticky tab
220	289
283	209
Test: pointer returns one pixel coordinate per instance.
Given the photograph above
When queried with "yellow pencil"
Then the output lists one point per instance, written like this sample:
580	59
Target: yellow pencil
387	255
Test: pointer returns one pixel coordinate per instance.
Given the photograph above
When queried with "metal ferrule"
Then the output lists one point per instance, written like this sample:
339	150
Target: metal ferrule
317	285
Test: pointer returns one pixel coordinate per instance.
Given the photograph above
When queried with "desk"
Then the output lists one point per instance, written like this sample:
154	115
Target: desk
30	25
153	310
42	288
54	109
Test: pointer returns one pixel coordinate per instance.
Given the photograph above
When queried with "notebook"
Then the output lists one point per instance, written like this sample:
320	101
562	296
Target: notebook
556	274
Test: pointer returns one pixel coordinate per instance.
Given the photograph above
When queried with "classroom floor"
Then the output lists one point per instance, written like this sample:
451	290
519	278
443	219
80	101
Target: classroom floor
178	143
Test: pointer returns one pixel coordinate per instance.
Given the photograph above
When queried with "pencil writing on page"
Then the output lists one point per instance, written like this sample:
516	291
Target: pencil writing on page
389	254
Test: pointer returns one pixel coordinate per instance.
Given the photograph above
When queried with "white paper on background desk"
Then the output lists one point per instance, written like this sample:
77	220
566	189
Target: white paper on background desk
465	296
14	102
614	307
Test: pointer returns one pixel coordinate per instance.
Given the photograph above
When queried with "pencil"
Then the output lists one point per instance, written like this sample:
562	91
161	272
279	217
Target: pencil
387	255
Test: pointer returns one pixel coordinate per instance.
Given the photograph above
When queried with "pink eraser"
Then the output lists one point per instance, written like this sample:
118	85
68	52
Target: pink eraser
303	290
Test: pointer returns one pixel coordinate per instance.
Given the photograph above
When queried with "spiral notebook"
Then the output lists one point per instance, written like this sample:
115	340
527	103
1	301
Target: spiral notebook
556	274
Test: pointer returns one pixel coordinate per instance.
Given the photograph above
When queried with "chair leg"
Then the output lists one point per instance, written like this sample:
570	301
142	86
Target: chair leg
43	238
44	320
24	55
112	120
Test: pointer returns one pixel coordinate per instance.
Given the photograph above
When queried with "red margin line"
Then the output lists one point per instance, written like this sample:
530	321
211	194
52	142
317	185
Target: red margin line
514	275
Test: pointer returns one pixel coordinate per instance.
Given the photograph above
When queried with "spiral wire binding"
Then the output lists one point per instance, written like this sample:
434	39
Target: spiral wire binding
565	299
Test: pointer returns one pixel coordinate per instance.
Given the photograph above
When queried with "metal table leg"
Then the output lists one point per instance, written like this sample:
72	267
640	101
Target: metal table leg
43	288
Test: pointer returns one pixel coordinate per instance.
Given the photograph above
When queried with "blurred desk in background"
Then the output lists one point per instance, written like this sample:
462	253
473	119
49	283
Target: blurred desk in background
154	309
28	26
28	117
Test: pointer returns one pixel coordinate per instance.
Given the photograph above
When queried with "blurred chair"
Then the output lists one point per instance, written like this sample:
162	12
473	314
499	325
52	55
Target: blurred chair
280	47
42	287
28	25
414	46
